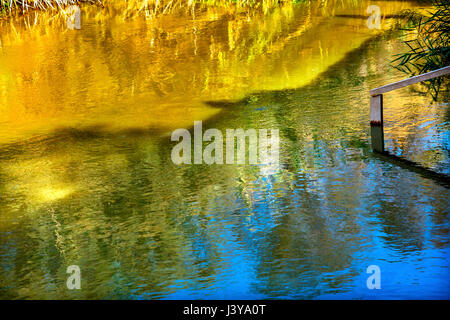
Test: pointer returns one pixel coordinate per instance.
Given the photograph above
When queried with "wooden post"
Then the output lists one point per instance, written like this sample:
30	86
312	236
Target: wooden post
376	123
376	110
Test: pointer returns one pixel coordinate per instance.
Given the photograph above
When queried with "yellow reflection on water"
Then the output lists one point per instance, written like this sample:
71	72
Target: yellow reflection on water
52	193
125	74
40	180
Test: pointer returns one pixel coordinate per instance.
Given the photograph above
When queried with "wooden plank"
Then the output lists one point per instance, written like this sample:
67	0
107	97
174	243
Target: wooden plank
409	81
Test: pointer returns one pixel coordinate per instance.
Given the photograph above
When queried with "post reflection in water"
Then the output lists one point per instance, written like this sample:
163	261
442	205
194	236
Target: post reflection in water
86	176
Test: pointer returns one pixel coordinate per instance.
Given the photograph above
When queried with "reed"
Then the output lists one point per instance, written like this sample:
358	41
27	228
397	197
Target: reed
154	7
24	5
428	44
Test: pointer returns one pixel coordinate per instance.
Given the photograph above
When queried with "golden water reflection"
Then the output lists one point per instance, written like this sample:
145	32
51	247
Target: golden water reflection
117	74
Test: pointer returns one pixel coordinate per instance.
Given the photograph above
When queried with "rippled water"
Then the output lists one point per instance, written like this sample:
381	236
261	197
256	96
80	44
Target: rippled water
86	176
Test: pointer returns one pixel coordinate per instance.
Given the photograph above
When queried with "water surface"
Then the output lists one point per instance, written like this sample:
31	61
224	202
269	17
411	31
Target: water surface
86	176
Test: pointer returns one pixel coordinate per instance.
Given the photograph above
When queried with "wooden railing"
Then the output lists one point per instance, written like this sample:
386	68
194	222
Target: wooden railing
376	103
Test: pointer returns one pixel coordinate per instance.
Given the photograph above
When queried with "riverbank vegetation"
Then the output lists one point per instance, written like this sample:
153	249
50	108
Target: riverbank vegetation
9	6
154	7
428	45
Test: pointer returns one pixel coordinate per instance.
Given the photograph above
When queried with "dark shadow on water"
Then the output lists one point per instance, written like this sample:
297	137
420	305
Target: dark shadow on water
329	73
439	178
224	103
67	134
364	17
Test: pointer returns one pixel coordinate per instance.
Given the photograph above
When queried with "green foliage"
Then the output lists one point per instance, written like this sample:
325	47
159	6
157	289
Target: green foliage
429	47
